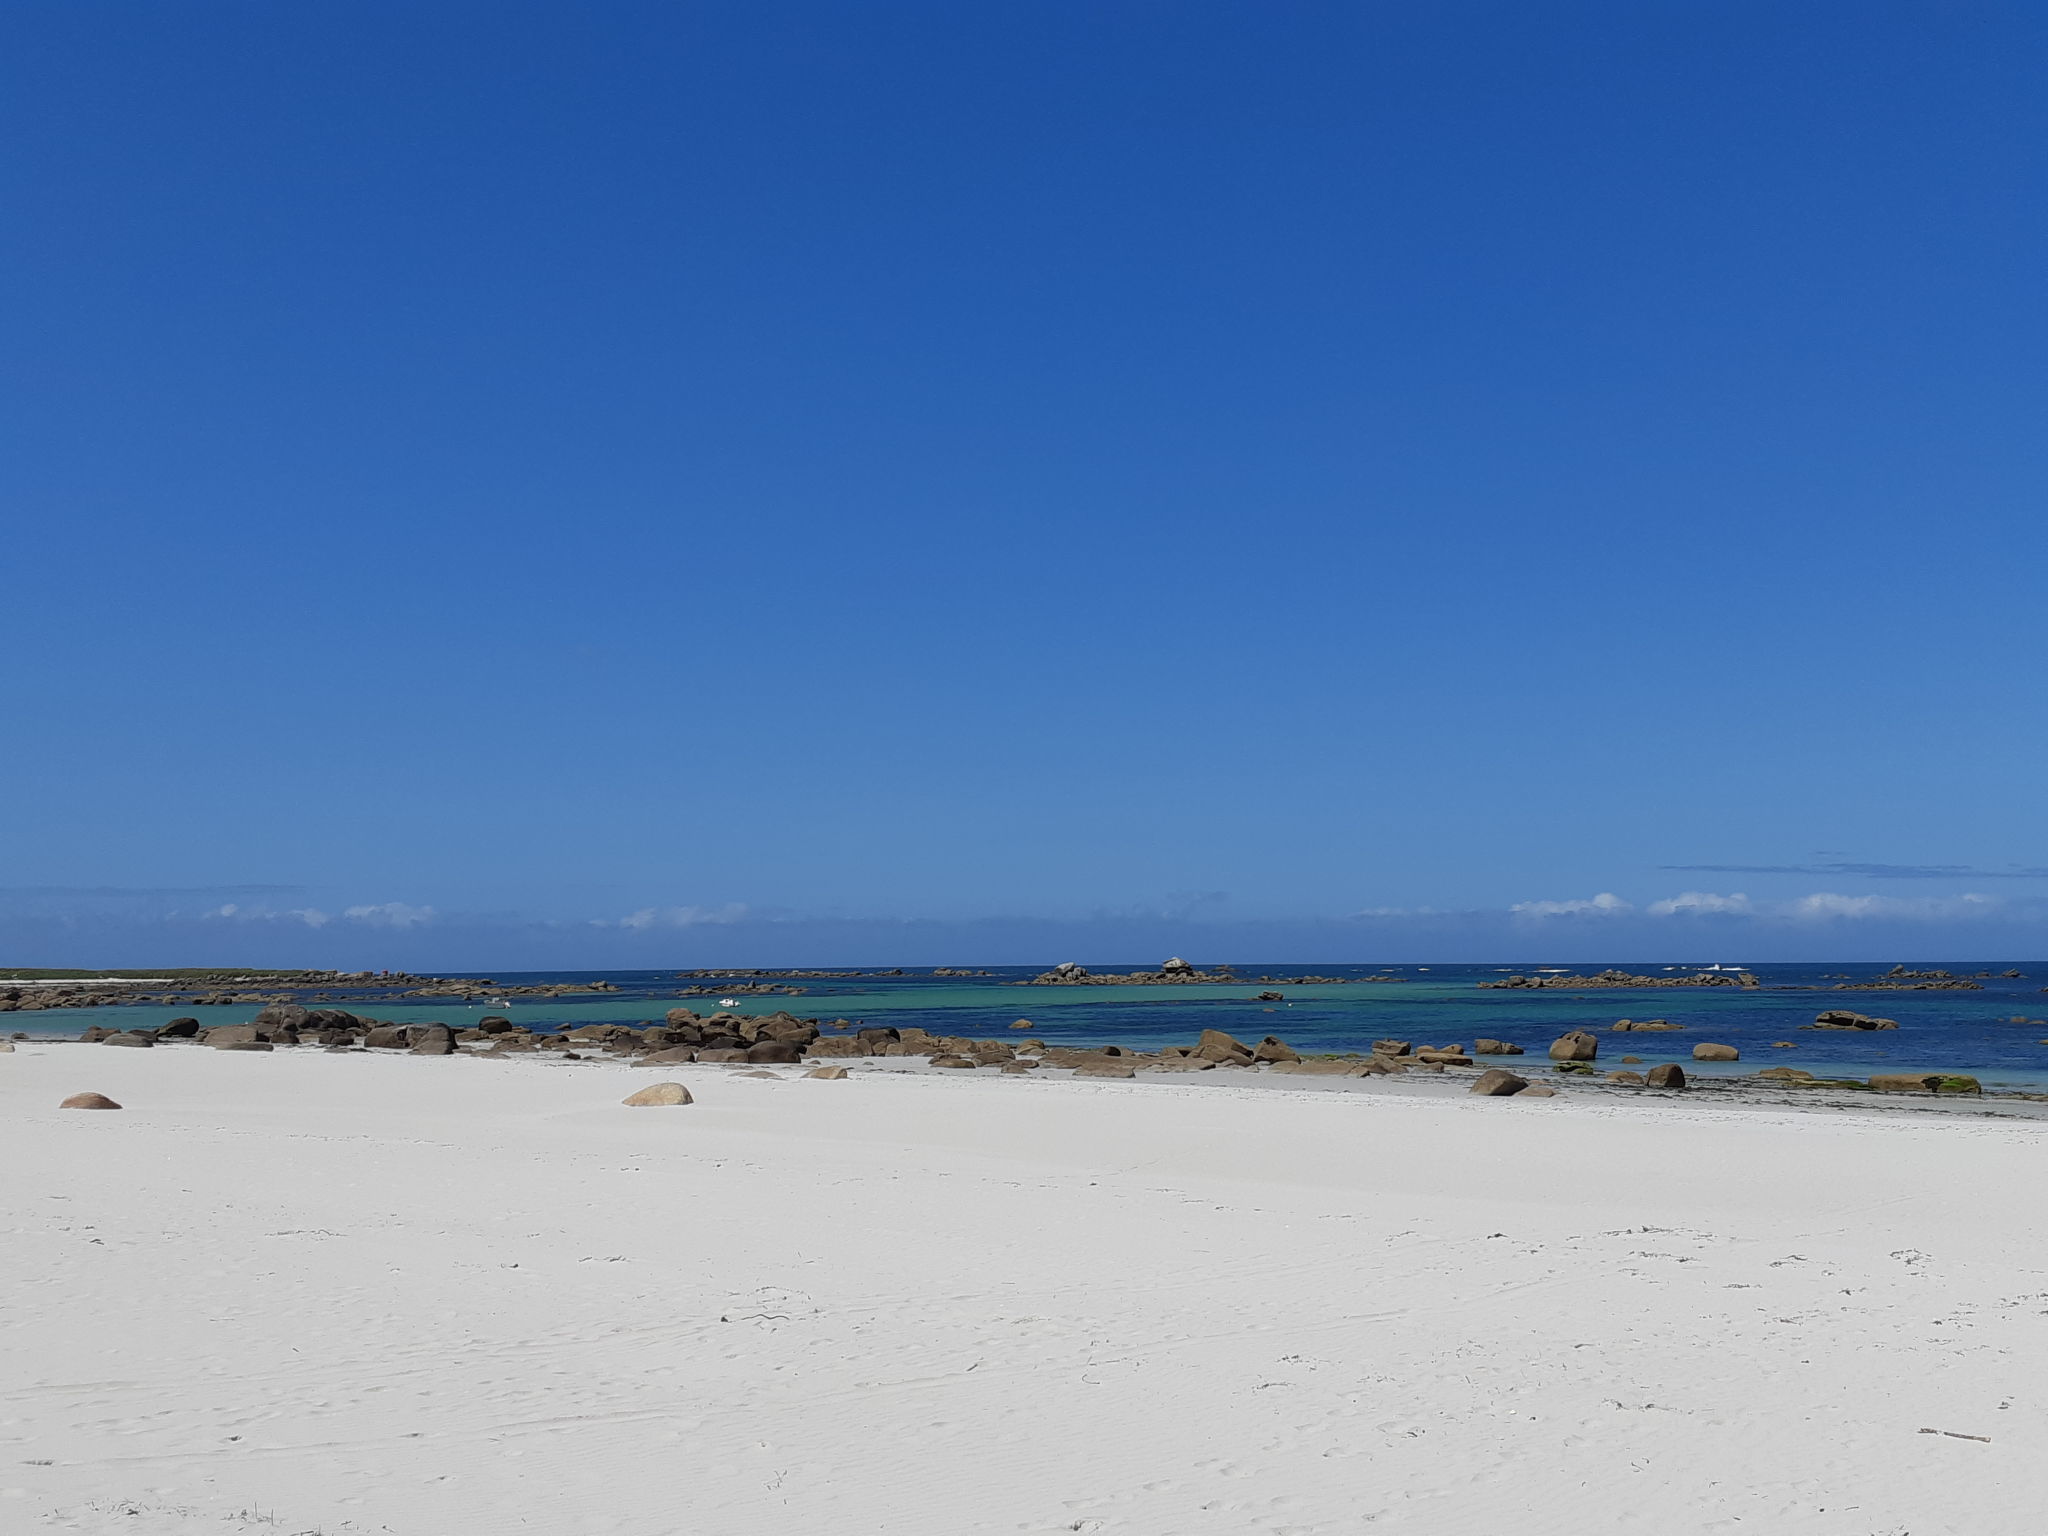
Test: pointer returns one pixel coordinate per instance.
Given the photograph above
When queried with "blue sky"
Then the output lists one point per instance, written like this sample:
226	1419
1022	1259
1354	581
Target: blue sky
868	482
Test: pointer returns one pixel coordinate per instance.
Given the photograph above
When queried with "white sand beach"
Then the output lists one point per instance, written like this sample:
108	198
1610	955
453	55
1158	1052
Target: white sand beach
362	1295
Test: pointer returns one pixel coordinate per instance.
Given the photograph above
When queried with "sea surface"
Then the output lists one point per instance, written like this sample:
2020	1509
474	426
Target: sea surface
1999	1034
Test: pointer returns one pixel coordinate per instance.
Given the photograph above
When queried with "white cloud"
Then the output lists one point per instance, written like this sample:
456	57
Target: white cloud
681	917
1695	903
390	914
1606	904
1824	905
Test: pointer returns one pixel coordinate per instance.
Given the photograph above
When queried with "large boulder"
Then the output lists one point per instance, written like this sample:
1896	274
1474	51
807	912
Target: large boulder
656	1094
955	1061
179	1029
1217	1046
1495	1048
88	1101
282	1016
1575	1046
435	1040
1706	1051
1848	1018
1107	1067
673	1056
1274	1049
1499	1083
1626	1079
678	1017
781	1052
1638	1026
390	1037
1668	1075
230	1034
495	1024
1391	1047
132	1037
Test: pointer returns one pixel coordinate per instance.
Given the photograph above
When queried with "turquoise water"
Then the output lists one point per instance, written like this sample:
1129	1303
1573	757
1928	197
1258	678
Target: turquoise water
1948	1031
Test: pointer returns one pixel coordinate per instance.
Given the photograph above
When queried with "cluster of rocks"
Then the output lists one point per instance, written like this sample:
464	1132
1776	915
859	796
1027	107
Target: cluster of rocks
1172	972
1613	978
1899	979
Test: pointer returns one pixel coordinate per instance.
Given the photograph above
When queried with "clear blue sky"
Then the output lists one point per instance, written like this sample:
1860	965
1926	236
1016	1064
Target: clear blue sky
1058	477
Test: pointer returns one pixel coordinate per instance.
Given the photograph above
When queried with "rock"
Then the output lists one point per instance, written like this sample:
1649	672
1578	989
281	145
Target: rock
230	1034
828	1074
1183	1064
1631	1061
768	1076
1176	966
657	1094
88	1101
386	1037
283	1016
1271	1049
1442	1056
1640	1026
495	1024
1495	1048
435	1040
722	1053
7	1047
1537	1091
1390	1047
1022	1024
179	1029
1575	1046
1626	1079
1499	1083
242	1045
955	1061
1706	1052
1786	1075
779	1052
1848	1018
1783	1045
129	1039
1667	1075
1215	1045
1925	1082
1270	997
1105	1068
1022	1065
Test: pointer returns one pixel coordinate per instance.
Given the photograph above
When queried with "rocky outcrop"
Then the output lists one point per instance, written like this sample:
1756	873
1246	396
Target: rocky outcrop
1642	1026
1172	972
1843	1018
1624	979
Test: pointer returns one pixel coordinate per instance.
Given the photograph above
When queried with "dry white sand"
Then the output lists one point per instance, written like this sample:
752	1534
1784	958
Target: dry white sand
445	1297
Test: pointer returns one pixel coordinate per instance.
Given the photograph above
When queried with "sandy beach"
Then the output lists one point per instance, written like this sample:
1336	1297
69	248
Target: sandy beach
350	1294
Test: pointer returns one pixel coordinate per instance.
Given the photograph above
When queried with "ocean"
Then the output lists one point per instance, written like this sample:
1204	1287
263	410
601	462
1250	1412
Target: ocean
1998	1033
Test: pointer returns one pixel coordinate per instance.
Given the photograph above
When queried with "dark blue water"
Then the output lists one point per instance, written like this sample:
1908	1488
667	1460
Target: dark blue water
1999	1033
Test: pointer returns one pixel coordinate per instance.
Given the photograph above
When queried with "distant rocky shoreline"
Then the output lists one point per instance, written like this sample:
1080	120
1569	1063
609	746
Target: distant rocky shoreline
783	1039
